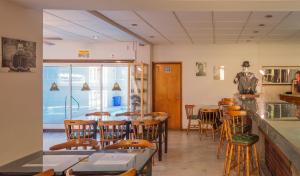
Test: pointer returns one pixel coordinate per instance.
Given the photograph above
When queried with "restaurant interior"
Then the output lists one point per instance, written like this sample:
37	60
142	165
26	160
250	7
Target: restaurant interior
161	87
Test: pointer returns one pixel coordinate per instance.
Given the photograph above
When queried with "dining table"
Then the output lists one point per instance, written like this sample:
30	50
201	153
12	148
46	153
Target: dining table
82	162
162	128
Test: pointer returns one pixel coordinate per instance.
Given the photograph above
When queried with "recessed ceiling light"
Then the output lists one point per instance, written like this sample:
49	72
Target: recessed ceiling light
268	16
261	25
151	36
95	37
134	25
255	31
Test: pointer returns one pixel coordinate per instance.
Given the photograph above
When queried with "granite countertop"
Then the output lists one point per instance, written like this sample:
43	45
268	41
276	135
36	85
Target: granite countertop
279	121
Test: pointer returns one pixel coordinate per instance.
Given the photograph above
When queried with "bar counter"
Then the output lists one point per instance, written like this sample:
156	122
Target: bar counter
278	127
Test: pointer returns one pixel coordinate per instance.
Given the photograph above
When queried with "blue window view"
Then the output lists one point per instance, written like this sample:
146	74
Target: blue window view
89	89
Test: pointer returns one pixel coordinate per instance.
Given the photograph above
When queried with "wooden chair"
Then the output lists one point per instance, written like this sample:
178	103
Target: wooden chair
240	144
223	132
189	110
80	129
125	144
75	144
111	131
99	114
131	172
208	121
146	129
49	172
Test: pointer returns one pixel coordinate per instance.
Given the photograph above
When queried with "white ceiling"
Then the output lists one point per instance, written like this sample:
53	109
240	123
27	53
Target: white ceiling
175	27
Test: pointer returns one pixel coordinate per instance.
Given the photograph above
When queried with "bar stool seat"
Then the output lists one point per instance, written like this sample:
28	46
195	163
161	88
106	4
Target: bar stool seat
245	139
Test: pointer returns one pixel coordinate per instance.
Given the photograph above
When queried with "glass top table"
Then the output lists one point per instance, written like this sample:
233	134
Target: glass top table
81	162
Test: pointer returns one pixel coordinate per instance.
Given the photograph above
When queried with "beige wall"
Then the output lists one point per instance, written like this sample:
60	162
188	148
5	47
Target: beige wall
205	90
20	93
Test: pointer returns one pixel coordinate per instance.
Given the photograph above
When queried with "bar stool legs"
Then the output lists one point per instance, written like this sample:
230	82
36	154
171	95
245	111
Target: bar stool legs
223	138
233	159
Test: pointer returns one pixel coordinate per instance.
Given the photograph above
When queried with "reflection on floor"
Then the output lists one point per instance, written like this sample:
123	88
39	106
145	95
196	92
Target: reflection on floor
187	155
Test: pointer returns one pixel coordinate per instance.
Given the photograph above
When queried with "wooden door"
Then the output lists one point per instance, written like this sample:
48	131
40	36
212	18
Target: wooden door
167	91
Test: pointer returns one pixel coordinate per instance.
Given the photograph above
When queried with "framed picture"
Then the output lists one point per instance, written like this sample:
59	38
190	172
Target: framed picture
18	55
219	73
200	68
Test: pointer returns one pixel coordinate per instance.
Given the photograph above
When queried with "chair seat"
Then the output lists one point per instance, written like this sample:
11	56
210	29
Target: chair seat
245	139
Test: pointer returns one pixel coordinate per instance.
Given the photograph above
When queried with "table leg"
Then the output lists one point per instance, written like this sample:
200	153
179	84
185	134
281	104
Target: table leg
127	131
160	142
166	136
149	167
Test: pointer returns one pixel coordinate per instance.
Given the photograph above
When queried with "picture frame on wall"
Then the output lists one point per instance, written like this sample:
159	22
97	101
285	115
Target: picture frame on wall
18	55
201	68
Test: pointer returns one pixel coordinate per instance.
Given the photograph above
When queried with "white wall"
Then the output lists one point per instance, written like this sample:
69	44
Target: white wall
20	93
205	90
114	50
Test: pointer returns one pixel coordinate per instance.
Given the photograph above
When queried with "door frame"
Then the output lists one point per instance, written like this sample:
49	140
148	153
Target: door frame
153	85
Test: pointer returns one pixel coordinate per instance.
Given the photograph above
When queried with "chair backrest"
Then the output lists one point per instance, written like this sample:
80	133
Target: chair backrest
189	110
98	114
209	116
131	172
136	143
75	143
146	129
236	122
129	114
112	130
80	129
156	114
49	172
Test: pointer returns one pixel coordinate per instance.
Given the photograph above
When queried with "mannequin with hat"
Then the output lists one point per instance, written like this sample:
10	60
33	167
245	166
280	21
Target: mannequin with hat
246	80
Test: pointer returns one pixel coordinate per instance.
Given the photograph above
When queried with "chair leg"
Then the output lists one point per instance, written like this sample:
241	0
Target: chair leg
189	126
238	160
219	146
229	159
256	159
247	161
226	158
213	133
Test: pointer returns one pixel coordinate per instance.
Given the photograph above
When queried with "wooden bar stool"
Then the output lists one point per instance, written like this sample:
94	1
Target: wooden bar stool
223	132
189	110
240	144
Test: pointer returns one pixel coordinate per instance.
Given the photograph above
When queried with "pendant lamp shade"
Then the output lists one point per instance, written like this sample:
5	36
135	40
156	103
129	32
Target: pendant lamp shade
116	87
85	87
54	87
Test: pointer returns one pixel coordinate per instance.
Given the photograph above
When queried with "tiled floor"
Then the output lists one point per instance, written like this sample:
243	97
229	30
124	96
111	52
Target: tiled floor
187	155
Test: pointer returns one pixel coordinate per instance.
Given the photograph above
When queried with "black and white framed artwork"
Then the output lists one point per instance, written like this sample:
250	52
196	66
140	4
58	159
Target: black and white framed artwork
18	55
